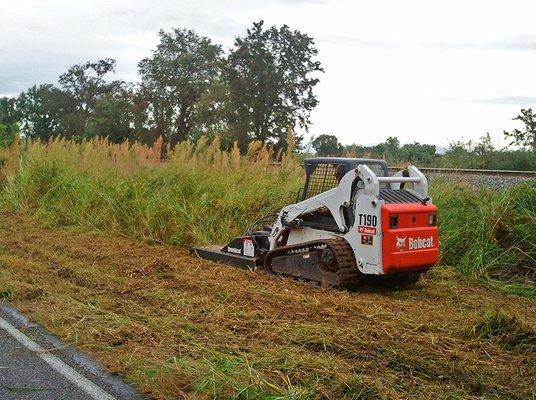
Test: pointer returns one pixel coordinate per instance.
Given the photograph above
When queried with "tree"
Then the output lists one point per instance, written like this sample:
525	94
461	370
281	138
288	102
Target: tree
484	151
422	154
41	108
47	111
271	75
9	113
354	150
527	136
85	85
327	145
392	145
212	110
112	117
459	154
179	73
388	149
9	117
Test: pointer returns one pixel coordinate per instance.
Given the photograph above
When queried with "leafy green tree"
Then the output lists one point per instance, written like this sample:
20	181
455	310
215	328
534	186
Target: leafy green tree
41	108
525	137
9	112
459	154
354	150
420	154
519	160
179	73
83	87
484	151
47	111
211	114
271	75
8	133
327	145
9	117
388	149
392	145
112	117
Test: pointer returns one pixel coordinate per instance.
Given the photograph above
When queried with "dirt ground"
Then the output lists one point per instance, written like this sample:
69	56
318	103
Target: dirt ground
179	327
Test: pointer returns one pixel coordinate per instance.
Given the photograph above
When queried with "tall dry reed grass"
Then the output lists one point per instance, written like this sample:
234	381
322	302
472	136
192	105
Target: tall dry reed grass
198	194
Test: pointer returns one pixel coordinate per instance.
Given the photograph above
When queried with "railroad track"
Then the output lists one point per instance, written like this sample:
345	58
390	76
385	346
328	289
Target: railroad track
456	171
473	172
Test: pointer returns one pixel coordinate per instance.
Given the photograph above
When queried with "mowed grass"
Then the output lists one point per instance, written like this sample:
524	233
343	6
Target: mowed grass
179	327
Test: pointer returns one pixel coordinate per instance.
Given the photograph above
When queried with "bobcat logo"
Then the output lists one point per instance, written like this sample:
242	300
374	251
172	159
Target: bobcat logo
401	242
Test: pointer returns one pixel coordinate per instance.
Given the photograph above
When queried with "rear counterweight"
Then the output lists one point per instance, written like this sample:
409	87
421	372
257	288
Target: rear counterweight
410	237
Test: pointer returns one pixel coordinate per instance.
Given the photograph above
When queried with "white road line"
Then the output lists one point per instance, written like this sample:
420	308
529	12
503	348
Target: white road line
59	366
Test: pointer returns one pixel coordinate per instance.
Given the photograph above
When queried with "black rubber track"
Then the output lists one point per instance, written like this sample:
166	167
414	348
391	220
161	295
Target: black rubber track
343	273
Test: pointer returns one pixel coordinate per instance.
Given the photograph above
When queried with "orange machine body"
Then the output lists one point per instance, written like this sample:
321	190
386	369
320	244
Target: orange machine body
410	237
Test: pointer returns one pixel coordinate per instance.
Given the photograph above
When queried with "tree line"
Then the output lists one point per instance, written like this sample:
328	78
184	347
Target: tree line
189	87
479	154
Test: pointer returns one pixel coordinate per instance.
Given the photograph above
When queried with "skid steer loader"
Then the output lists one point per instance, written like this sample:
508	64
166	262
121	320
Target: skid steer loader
351	221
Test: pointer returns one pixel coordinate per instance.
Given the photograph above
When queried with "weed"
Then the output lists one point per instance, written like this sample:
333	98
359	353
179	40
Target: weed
355	389
6	294
487	233
201	195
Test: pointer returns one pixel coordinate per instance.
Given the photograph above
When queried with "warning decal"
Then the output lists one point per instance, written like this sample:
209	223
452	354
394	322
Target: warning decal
367	239
366	229
248	249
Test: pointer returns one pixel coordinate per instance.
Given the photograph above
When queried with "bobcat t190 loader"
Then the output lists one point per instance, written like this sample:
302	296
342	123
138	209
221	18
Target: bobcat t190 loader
351	221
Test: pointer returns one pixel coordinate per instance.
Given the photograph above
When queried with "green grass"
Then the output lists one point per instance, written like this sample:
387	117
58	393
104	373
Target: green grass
488	233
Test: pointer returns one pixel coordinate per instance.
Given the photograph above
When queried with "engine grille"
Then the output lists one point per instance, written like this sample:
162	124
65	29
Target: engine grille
394	196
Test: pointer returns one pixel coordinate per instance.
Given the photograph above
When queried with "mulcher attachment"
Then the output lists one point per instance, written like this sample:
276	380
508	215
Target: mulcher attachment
329	261
245	252
216	253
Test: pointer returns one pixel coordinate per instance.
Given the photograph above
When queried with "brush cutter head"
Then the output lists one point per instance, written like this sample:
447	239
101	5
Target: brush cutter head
216	253
245	251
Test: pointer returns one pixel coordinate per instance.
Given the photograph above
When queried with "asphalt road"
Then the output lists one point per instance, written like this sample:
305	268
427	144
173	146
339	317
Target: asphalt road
37	365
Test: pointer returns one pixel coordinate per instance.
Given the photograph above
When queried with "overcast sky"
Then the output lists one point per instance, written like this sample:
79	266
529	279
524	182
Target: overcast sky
428	71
